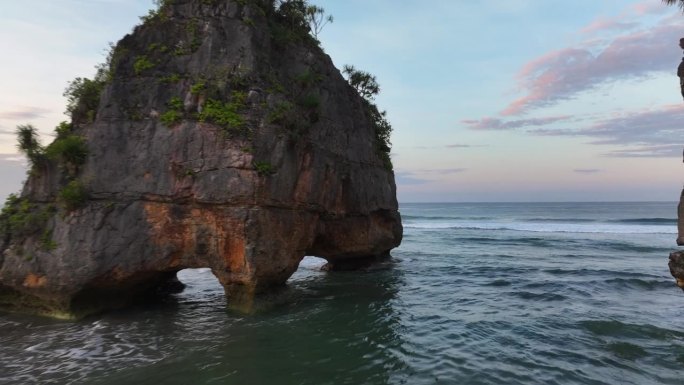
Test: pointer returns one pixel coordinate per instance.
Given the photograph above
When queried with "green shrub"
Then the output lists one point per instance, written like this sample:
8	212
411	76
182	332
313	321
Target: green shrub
225	115
173	78
383	132
105	71
46	242
175	103
171	117
73	195
63	129
193	31
364	83
28	143
367	87
198	87
83	98
158	47
20	217
174	114
296	20
156	14
70	149
141	64
264	168
281	114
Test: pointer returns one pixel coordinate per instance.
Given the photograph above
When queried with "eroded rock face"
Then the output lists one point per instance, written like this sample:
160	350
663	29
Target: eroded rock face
680	220
221	141
676	263
677	267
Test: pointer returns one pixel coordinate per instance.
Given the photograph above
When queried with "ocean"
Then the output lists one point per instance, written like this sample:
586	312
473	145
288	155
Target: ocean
478	293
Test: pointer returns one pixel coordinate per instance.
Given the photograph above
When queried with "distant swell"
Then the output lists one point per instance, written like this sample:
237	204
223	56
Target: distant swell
648	221
559	220
444	218
594	228
633	221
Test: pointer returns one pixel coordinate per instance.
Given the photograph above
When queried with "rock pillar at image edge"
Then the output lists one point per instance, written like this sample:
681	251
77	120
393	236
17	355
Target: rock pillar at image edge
223	138
677	257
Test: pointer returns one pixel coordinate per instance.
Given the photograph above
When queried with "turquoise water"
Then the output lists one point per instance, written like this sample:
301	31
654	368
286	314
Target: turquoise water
571	293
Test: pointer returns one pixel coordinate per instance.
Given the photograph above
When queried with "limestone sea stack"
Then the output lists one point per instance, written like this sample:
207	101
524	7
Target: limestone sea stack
677	257
223	137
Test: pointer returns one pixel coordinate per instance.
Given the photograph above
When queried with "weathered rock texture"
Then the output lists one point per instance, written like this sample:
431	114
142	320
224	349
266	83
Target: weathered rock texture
677	257
291	168
680	220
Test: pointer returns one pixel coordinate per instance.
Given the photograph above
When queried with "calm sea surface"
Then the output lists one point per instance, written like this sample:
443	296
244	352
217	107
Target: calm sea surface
545	293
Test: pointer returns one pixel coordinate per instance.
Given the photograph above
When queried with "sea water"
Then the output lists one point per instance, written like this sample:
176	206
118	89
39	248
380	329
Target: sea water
478	293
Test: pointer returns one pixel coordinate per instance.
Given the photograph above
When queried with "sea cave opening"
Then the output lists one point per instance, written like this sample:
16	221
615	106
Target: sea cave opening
198	284
309	265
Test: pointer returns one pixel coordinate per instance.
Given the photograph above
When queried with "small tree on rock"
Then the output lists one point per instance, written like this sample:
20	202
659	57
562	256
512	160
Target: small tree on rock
365	83
317	19
28	143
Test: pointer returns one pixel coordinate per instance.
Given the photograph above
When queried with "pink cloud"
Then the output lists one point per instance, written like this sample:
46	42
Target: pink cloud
601	25
660	151
23	113
498	124
647	133
650	8
561	74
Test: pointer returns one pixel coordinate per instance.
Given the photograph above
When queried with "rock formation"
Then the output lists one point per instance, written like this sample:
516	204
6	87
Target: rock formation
677	257
224	138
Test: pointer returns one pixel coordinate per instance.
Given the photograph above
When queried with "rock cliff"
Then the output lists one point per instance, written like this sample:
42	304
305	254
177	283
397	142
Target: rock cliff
677	257
223	137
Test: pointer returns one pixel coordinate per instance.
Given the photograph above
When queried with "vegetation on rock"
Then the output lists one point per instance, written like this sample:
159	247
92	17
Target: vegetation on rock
142	64
174	114
20	217
264	83
367	87
67	148
73	195
71	149
264	168
29	144
83	98
364	83
226	115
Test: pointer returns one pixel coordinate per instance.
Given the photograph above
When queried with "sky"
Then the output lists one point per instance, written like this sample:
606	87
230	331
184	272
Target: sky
515	100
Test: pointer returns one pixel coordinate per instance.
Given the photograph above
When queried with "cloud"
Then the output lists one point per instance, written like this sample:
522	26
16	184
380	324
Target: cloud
659	126
445	171
651	132
587	170
649	8
458	145
407	178
416	177
451	146
661	151
489	123
24	113
602	25
560	75
13	158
